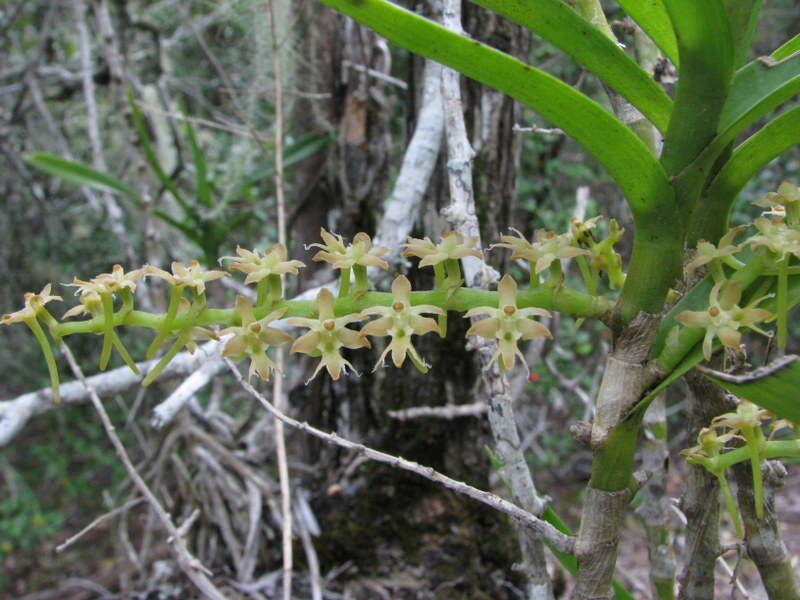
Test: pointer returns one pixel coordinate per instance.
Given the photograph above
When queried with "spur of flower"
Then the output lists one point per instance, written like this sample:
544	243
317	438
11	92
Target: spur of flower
253	337
401	321
724	316
34	303
257	266
192	275
508	324
341	256
545	248
327	335
453	246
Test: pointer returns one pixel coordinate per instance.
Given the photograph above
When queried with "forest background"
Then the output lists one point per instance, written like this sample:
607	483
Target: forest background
73	77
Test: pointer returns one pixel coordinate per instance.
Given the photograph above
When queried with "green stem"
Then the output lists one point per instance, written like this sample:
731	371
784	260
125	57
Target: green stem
362	282
562	299
275	291
261	292
108	329
534	276
453	270
123	352
175	294
156	371
344	283
730	504
783	301
44	344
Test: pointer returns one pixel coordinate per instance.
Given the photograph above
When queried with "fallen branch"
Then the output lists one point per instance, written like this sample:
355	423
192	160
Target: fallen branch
449	411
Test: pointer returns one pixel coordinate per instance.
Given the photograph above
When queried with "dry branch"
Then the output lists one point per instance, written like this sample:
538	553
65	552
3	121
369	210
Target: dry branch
560	541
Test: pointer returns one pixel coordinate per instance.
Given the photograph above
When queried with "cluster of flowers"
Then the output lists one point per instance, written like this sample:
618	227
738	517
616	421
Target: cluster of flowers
108	301
781	236
742	428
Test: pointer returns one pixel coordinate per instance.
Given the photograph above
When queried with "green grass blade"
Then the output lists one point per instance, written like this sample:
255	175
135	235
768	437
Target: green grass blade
558	23
624	155
652	17
188	231
152	160
80	174
707	50
202	187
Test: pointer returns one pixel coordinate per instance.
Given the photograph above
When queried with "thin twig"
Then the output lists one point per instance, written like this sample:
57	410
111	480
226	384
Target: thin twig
560	541
101	519
277	383
197	573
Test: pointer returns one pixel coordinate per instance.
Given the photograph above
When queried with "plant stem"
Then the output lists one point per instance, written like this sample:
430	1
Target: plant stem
108	329
175	294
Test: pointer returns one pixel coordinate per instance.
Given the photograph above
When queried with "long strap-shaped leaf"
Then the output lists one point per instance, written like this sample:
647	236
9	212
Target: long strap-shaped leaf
558	23
652	17
751	156
743	17
707	52
774	389
80	174
624	155
757	88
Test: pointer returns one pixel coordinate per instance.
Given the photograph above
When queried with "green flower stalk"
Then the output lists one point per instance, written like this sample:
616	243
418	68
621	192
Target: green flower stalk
508	324
401	321
783	240
253	337
327	335
191	276
443	257
709	445
104	287
724	316
747	421
34	307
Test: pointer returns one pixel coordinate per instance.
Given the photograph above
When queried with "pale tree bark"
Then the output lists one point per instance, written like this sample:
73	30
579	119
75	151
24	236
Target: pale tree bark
461	215
763	540
701	500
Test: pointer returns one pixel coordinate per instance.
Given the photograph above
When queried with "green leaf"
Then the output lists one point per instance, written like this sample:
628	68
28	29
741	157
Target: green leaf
652	17
787	49
707	51
185	229
776	391
303	147
743	17
80	174
750	157
757	88
619	150
152	160
558	23
202	187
